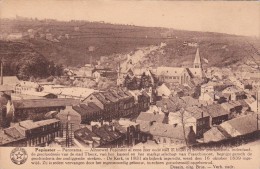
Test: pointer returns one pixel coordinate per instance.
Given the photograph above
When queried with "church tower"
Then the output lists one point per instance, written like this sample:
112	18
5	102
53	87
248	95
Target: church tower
197	63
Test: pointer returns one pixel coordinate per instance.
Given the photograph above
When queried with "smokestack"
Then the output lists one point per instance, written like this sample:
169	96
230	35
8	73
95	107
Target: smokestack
2	81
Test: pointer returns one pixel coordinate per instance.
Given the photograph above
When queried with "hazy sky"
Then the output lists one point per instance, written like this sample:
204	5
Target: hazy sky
241	18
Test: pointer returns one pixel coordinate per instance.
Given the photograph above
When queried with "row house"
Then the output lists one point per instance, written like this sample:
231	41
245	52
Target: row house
105	104
234	93
130	130
153	127
114	103
146	120
31	134
87	138
166	134
193	116
217	114
89	112
233	107
109	137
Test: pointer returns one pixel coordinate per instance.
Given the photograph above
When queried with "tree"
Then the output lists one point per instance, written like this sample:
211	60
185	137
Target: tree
145	81
127	81
133	84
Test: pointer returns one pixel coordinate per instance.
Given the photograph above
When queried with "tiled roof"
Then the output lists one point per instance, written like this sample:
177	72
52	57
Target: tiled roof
85	135
84	109
94	106
101	98
6	88
190	101
150	117
215	110
106	133
168	104
13	132
167	130
29	124
10	80
231	104
4	138
214	134
170	71
241	125
35	103
197	112
110	96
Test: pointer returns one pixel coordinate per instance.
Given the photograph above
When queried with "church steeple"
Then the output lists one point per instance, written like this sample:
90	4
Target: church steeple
197	63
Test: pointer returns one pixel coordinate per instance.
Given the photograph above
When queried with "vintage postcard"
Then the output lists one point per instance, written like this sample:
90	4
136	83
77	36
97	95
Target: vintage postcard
129	84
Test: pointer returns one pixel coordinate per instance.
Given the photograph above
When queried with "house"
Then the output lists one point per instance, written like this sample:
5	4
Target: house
27	86
145	117
170	135
10	81
171	104
214	134
252	103
233	107
190	101
115	103
35	109
109	136
240	126
69	115
129	129
163	90
217	114
146	120
89	112
31	134
212	87
68	92
193	116
87	138
235	93
40	95
11	137
141	101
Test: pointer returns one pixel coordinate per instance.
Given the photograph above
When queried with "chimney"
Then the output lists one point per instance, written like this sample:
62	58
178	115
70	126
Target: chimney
201	114
191	128
2	81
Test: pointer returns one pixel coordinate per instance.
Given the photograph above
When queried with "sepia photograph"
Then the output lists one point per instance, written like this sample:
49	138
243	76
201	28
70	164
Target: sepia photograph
149	84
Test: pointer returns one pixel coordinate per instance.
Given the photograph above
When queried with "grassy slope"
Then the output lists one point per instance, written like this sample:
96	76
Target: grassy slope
219	49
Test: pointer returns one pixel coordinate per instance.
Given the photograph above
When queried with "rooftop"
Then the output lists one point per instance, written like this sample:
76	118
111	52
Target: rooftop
241	125
215	110
36	103
150	117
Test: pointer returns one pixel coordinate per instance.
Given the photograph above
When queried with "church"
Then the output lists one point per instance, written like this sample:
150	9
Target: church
181	75
173	75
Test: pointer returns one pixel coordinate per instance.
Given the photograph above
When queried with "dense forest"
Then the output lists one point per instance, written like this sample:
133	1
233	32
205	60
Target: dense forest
22	61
